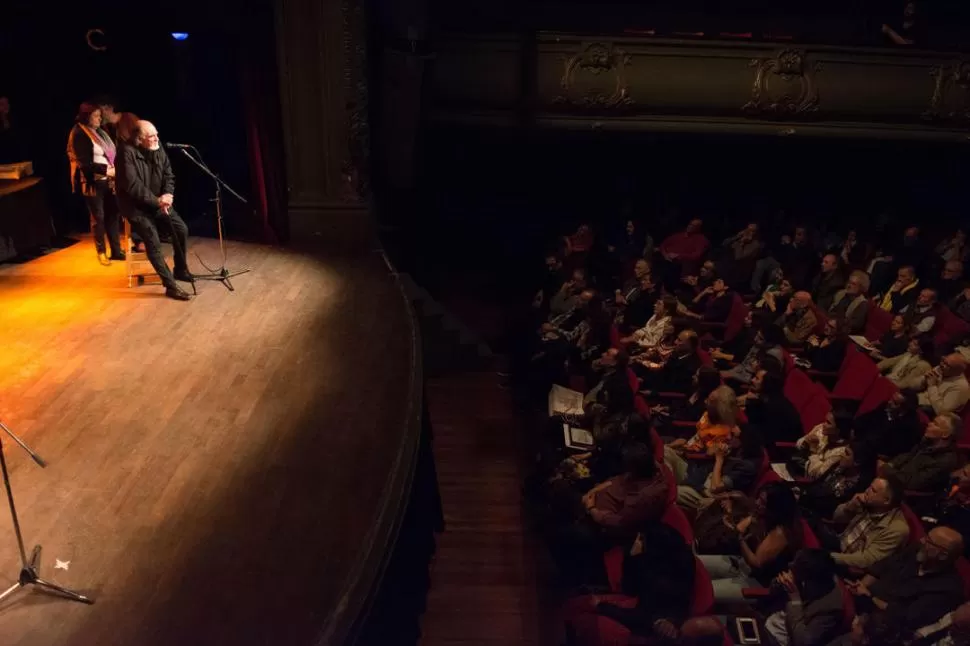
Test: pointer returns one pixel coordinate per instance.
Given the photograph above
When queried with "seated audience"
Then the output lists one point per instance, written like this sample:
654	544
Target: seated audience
890	429
821	449
652	332
951	281
735	468
908	369
795	257
960	304
743	248
767	343
947	390
921	315
716	425
875	526
927	467
894	342
814	612
954	509
799	320
698	283
876	629
677	372
769	412
656	355
826	354
631	286
847	477
713	304
682	251
657	584
636	306
706	380
767	541
953	629
568	296
828	283
774	300
631	245
552	281
918	585
909	31
851	303
851	252
903	292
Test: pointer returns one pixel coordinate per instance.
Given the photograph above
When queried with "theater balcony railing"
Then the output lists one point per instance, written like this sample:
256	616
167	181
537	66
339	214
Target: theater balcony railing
632	83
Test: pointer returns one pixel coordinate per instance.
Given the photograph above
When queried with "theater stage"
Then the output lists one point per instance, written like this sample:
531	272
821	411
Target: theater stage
218	469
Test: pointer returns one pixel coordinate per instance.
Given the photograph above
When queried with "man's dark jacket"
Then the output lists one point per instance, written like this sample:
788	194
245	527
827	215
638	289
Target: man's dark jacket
142	176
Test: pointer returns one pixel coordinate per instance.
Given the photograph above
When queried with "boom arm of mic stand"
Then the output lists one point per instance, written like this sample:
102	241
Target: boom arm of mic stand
205	169
36	458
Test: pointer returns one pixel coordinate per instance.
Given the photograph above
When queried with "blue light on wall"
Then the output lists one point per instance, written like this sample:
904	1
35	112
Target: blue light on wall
180	35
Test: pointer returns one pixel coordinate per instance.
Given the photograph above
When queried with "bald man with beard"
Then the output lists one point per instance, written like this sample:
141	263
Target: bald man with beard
146	186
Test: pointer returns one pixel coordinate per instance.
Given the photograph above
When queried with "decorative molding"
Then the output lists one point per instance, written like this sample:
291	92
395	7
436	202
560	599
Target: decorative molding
594	60
787	66
950	101
355	168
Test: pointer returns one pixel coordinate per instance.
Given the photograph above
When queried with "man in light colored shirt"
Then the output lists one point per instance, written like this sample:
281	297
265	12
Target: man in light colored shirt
876	528
947	390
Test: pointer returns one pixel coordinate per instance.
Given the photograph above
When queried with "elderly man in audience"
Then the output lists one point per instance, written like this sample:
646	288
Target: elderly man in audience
704	279
799	320
919	584
922	314
851	303
829	281
953	629
634	303
927	467
743	249
827	353
907	370
903	292
875	526
682	251
774	300
567	298
814	613
947	390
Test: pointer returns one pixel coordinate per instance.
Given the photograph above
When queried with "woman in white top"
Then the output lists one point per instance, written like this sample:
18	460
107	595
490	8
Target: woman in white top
824	448
92	156
908	369
652	333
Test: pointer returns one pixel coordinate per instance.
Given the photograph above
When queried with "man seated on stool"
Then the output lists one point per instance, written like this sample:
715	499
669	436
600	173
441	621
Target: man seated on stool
145	183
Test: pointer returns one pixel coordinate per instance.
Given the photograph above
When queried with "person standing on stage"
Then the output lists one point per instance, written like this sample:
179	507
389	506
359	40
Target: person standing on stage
146	185
92	155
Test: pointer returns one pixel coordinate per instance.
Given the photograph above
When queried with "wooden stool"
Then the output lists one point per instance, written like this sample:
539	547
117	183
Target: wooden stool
137	265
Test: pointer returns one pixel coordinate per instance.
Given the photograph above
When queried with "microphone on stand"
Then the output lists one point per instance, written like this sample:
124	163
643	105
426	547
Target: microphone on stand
170	145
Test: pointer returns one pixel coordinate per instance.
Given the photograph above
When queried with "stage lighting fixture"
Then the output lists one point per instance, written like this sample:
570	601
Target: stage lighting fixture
180	35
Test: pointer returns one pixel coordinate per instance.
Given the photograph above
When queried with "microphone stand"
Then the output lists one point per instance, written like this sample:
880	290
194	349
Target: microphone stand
28	567
221	274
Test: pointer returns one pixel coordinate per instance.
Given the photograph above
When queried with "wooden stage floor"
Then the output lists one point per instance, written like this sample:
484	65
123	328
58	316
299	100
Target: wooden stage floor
214	466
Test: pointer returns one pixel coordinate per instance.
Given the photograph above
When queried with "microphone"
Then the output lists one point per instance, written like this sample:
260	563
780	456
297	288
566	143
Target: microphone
170	145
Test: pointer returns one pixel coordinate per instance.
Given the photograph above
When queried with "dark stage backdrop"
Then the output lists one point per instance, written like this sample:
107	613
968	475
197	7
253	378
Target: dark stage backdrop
199	90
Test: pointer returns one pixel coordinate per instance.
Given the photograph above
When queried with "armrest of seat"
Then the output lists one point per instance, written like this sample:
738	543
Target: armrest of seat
755	593
668	395
919	494
821	374
698	456
682	424
786	445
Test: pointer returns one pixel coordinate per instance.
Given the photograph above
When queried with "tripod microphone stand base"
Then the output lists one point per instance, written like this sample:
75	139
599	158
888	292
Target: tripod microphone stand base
222	275
29	576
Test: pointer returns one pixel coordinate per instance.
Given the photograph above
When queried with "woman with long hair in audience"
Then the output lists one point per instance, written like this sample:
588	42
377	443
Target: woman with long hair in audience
768	342
768	410
766	541
820	449
706	380
908	369
650	335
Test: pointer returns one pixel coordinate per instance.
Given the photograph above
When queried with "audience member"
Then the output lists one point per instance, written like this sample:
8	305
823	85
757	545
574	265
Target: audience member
677	372
769	412
894	342
713	305
927	466
951	281
953	629
849	476
635	302
829	282
814	612
652	332
960	304
851	253
826	354
947	390
908	369
876	629
922	314
705	278
706	380
716	425
851	303
767	343
776	296
767	541
875	526
910	31
682	251
821	449
735	468
794	255
569	295
744	247
890	429
903	292
919	585
799	319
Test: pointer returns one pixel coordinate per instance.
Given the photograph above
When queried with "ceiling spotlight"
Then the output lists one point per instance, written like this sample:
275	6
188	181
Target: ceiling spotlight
180	35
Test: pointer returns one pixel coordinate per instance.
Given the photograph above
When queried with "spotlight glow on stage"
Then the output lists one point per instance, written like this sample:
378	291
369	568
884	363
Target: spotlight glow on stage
180	35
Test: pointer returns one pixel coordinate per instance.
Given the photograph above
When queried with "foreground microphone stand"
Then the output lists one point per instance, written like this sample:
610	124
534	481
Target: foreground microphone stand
28	569
222	274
